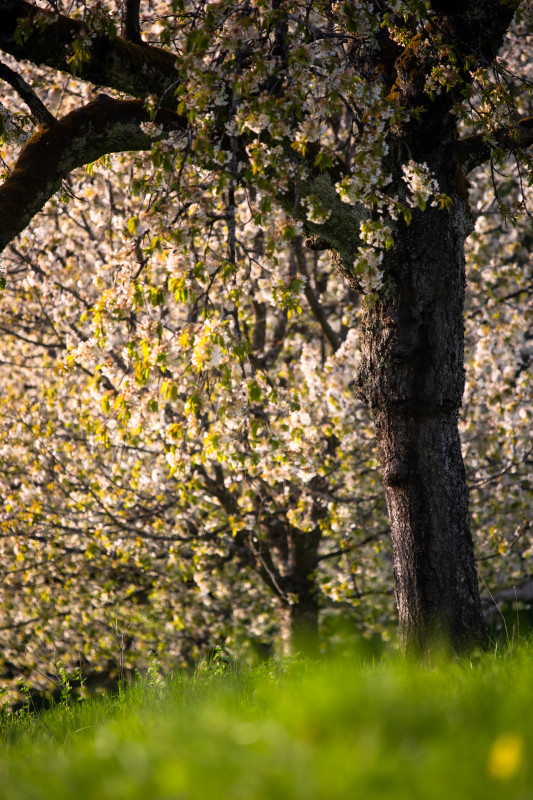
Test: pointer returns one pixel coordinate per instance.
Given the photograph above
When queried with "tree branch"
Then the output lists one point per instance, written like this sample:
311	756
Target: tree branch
260	319
476	150
474	30
131	29
139	70
24	90
312	299
278	340
86	134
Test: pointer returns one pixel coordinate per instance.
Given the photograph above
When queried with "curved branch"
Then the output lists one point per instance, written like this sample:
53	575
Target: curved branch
86	134
137	69
24	90
476	150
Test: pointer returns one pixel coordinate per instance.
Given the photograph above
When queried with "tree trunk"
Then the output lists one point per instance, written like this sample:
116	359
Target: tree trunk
412	378
292	569
298	624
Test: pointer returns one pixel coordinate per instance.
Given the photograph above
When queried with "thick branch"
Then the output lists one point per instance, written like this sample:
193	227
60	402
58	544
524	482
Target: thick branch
476	150
24	90
140	70
260	319
86	134
473	30
131	29
278	340
340	231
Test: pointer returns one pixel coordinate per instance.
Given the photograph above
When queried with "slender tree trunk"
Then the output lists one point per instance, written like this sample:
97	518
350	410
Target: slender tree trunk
299	625
292	567
412	378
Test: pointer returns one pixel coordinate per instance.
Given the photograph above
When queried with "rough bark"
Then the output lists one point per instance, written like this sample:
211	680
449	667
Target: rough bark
412	378
412	343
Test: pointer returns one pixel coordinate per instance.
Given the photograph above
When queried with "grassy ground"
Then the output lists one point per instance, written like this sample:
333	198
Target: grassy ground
288	731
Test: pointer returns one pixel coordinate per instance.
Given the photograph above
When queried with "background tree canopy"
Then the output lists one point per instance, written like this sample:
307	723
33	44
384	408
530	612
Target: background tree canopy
233	296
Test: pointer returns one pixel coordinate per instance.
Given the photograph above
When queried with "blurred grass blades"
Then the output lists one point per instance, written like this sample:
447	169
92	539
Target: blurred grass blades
293	730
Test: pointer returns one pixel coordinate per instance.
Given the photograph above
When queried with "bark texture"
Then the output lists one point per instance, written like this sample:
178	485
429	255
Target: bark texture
412	341
412	378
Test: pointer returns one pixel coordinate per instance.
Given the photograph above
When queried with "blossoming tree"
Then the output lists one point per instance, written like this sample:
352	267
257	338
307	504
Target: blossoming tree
359	121
164	446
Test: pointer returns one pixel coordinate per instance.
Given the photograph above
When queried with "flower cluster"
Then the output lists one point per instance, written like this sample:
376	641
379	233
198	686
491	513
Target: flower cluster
421	185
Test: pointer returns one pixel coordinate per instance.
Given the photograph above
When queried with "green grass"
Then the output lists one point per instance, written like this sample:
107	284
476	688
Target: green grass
288	731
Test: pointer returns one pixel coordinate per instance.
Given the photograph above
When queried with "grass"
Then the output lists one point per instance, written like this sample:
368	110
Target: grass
294	730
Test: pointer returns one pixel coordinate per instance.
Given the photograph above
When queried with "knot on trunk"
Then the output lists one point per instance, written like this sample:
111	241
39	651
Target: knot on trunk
395	472
316	243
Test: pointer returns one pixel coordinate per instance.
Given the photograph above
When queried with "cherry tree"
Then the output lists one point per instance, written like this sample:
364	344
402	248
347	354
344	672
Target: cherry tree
359	123
124	382
101	560
496	421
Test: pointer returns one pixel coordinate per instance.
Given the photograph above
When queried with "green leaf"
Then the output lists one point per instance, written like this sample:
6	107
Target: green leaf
254	392
138	297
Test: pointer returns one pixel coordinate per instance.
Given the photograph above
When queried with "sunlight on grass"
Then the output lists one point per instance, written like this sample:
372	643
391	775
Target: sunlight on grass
296	730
